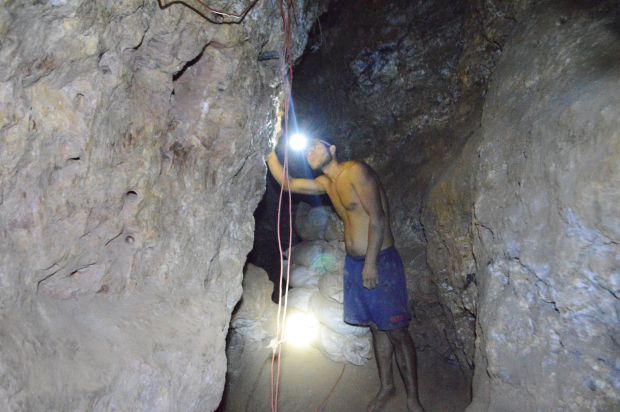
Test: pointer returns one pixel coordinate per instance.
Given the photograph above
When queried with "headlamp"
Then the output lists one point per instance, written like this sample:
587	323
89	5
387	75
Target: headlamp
298	142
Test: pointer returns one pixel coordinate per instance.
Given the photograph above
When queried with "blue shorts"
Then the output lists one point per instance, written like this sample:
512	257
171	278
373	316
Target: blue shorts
385	306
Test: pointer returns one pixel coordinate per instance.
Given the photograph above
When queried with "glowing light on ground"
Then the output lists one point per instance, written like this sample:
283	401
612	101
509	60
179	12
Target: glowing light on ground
302	329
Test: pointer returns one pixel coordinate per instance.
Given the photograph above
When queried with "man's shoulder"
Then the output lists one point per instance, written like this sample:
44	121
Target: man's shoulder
356	168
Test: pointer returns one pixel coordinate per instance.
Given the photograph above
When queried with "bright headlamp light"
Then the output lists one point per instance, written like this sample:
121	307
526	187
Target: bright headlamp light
298	142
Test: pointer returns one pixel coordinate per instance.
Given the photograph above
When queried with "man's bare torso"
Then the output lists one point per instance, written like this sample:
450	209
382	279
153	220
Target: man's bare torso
347	204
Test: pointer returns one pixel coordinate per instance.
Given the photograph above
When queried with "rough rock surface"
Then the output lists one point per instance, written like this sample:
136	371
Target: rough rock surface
402	87
547	216
507	220
131	159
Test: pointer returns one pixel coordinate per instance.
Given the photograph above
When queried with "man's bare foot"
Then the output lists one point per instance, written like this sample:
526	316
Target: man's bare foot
414	406
382	398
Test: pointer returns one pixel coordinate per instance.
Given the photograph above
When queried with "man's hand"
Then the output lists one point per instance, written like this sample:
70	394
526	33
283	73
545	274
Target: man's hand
370	276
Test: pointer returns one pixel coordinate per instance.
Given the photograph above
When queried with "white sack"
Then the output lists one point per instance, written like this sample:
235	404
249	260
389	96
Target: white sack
299	298
331	286
256	313
319	256
338	244
303	277
344	348
304	253
317	223
330	314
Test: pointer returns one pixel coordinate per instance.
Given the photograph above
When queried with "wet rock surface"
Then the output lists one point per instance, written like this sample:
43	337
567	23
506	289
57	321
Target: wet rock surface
132	142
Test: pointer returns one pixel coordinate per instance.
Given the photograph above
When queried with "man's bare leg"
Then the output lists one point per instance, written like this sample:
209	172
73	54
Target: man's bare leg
383	354
407	365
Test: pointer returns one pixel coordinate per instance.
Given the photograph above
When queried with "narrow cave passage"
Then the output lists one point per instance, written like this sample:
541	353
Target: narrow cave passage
402	87
363	70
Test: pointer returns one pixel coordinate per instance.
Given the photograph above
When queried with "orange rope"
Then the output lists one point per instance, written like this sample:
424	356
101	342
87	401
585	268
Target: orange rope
288	65
281	321
331	392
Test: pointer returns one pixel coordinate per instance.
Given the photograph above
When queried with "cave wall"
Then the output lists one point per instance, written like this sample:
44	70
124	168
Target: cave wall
132	141
546	208
401	86
504	201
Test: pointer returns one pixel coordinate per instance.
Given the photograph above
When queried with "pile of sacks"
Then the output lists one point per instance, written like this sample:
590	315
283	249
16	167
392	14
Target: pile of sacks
316	284
315	288
256	316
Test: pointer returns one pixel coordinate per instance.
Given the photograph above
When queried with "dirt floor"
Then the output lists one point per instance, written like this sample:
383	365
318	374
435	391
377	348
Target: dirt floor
307	378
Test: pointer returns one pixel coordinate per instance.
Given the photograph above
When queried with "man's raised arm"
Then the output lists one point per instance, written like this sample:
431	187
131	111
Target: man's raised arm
304	186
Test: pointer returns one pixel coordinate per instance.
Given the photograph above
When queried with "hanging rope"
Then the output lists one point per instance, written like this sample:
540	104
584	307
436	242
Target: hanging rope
286	11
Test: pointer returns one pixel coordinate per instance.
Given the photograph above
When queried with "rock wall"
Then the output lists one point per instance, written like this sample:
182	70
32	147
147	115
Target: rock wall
401	86
132	141
505	204
546	211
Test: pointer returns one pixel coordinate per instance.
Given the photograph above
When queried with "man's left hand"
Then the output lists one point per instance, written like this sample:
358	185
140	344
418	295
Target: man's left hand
370	276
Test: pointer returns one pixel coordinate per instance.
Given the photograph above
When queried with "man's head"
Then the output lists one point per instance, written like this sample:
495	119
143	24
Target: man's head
320	153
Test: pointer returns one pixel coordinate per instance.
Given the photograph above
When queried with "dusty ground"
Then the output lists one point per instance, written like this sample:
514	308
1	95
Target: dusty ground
307	377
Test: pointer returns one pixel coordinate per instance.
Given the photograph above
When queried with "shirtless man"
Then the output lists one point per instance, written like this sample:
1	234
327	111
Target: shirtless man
373	273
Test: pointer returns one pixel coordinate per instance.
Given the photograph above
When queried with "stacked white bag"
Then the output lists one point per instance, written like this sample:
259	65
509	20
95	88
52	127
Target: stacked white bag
316	284
255	318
